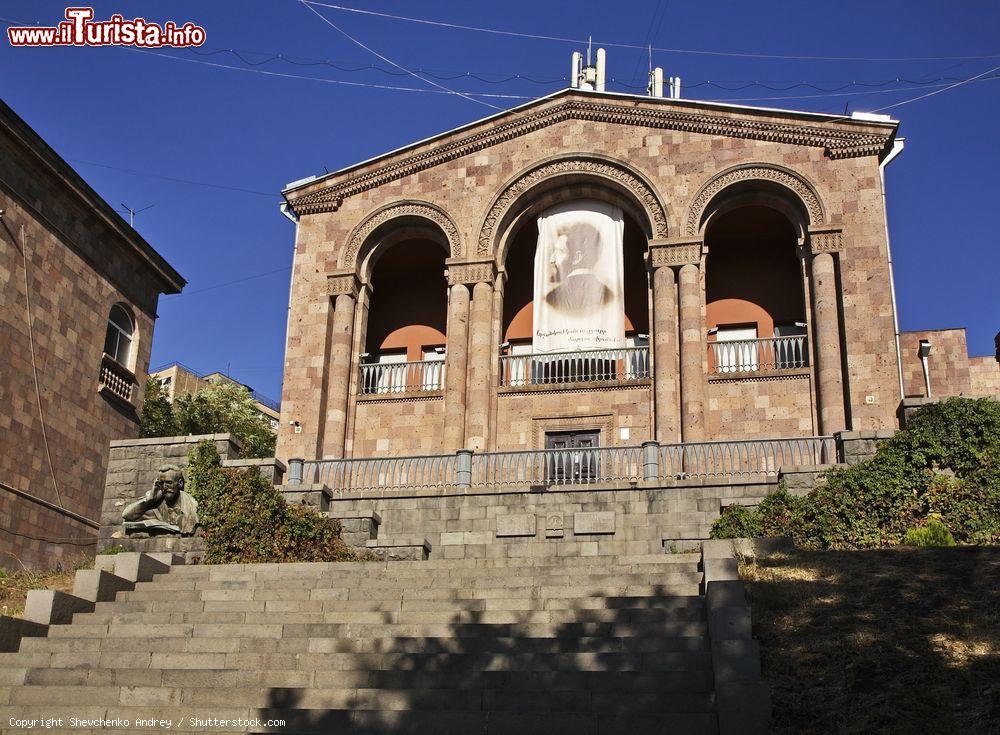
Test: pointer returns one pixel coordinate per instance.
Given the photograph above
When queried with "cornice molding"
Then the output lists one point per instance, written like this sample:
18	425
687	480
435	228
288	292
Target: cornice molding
575	164
836	142
676	251
343	284
471	272
754	171
408	208
826	240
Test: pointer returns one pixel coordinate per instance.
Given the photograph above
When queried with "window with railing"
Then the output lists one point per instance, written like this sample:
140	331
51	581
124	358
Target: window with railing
605	366
753	355
115	379
389	376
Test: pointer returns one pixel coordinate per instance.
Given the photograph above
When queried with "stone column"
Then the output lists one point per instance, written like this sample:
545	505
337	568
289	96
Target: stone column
666	398
826	319
477	276
480	352
692	349
456	366
343	288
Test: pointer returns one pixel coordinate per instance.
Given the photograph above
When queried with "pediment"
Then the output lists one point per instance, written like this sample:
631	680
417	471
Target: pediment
838	137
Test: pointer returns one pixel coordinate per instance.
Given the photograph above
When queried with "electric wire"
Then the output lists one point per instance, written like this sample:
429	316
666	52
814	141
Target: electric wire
387	60
561	39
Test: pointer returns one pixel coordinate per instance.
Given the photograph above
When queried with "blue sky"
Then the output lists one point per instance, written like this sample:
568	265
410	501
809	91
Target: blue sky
133	111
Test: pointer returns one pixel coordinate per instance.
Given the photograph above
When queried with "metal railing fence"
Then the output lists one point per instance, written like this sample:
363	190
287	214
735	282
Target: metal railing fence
401	377
750	355
606	366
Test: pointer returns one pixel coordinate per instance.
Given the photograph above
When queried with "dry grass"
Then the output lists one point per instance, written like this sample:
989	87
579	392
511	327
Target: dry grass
887	641
14	586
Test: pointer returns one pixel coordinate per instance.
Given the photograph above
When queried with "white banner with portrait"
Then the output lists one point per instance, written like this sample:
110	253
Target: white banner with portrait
579	299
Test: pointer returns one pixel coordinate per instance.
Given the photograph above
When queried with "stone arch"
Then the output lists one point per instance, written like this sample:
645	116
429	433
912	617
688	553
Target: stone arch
577	168
803	191
406	212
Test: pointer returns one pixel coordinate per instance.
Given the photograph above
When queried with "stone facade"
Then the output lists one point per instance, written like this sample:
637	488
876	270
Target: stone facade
81	260
671	165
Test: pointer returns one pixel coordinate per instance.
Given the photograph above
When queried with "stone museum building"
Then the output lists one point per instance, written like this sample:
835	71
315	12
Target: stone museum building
78	295
751	283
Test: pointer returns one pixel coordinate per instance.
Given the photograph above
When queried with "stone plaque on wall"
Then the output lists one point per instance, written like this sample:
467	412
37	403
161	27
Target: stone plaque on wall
515	525
598	522
554	525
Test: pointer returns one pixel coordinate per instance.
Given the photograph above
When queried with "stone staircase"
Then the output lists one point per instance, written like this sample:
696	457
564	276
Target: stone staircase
538	645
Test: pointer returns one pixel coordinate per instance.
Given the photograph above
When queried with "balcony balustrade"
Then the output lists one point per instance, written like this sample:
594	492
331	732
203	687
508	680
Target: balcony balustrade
651	462
401	377
754	355
603	366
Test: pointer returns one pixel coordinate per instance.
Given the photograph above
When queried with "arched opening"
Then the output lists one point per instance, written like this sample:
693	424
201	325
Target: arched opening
407	318
754	296
517	326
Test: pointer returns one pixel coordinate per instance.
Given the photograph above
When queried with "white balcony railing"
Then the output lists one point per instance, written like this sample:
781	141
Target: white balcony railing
752	355
401	377
606	366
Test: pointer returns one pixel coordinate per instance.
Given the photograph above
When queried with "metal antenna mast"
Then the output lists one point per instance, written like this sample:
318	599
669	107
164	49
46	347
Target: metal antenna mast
133	212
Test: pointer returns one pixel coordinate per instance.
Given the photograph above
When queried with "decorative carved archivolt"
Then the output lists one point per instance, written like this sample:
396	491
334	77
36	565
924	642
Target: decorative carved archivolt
471	272
402	209
596	167
760	171
675	252
829	240
838	141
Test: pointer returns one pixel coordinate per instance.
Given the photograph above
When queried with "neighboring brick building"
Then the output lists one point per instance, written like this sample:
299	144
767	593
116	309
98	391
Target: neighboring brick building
758	299
93	285
179	380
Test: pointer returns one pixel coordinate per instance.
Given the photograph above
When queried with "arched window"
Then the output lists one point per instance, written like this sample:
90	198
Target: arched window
118	339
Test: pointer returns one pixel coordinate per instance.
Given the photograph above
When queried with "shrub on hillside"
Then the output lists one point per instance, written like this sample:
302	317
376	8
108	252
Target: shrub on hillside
946	463
221	408
245	520
934	533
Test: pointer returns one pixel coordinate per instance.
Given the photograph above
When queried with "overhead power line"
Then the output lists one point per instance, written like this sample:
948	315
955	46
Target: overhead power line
387	60
563	39
344	82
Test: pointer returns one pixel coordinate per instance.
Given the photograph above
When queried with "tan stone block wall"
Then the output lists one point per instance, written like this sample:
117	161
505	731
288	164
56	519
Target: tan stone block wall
523	417
984	376
948	363
745	408
676	163
77	271
398	426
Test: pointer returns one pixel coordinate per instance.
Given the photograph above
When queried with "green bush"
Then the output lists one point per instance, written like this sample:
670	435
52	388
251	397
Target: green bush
946	464
221	408
934	533
737	521
245	520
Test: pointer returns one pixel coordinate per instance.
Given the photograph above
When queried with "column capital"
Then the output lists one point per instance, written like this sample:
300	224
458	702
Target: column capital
470	272
675	251
343	283
826	240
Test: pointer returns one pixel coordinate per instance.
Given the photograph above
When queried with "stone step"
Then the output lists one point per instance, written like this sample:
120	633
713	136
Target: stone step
433	592
508	579
602	681
526	599
564	562
471	663
372	722
607	644
525	610
473	698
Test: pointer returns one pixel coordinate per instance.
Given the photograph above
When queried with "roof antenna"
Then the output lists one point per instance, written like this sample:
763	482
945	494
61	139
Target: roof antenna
650	58
133	212
590	41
